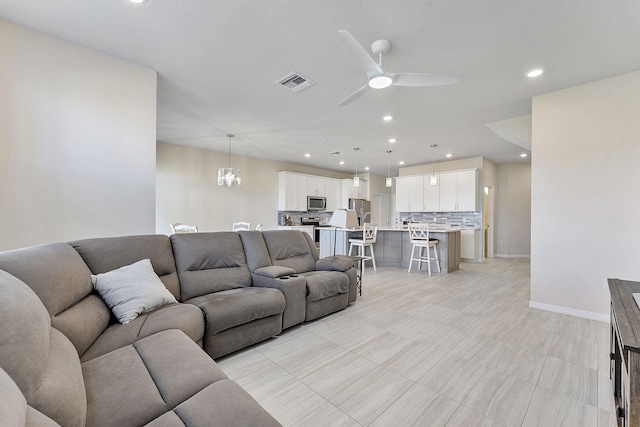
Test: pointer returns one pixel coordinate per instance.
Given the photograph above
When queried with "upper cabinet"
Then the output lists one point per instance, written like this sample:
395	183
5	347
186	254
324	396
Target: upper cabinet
316	186
333	192
458	191
292	191
453	191
409	194
349	191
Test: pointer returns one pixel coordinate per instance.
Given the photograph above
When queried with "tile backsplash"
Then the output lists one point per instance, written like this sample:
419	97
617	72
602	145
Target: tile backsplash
462	219
296	217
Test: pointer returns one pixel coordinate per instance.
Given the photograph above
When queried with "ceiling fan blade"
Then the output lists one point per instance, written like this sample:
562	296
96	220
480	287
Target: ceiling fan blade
355	95
365	60
425	79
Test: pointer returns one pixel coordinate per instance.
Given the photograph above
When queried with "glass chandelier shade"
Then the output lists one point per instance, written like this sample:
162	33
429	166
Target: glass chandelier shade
388	181
356	179
434	179
229	177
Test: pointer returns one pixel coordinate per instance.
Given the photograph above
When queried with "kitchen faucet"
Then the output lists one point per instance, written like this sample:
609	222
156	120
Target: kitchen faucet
365	216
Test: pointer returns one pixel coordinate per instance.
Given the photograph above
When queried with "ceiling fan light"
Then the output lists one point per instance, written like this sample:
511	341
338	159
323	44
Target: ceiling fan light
380	82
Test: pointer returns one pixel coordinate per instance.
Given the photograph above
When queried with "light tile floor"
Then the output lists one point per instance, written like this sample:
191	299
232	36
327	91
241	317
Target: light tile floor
462	349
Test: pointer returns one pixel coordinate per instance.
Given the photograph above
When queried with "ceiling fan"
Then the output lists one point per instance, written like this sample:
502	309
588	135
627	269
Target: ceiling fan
378	78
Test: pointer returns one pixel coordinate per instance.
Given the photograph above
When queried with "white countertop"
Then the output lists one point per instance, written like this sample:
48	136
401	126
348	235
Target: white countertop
431	230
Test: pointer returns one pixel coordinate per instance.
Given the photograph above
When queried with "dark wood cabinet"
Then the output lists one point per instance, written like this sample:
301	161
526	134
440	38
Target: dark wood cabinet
625	351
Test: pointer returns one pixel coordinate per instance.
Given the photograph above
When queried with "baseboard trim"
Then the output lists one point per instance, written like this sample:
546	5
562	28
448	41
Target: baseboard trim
571	311
512	256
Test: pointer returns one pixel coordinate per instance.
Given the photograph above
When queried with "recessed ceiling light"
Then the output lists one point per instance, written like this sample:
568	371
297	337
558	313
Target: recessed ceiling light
535	73
342	162
392	140
448	155
307	155
137	1
366	168
402	162
387	118
523	155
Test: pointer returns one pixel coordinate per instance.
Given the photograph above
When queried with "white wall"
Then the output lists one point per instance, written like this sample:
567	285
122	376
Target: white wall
77	142
187	189
585	194
513	216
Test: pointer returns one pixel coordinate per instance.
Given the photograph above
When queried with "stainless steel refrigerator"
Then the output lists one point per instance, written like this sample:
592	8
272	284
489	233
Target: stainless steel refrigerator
362	208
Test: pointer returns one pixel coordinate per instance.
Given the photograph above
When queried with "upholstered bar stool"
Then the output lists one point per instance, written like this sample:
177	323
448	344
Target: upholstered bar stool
419	237
369	234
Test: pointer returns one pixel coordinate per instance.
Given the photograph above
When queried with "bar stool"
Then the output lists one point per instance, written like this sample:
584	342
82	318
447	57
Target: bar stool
369	234
419	238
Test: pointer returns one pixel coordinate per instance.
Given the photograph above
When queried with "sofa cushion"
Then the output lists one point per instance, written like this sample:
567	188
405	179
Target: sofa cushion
14	411
138	383
40	360
185	317
255	250
334	263
289	248
62	281
209	262
132	290
108	253
223	403
325	284
24	345
274	271
227	309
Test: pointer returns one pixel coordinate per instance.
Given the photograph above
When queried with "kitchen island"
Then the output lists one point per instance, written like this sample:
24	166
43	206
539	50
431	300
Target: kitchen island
393	246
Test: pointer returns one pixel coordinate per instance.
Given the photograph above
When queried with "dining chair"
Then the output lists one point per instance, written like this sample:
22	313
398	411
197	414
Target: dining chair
179	227
259	227
419	238
241	226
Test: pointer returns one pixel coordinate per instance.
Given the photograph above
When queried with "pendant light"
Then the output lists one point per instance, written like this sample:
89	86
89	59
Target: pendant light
356	179
434	178
388	182
229	176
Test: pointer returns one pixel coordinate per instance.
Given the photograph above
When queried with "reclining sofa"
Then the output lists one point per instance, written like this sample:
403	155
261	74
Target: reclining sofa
66	360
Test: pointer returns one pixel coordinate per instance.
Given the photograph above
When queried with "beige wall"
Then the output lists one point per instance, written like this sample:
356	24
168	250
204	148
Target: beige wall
187	189
585	204
77	137
513	215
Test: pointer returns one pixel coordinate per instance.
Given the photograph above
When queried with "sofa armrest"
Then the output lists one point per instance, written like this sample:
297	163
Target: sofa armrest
274	271
294	289
334	263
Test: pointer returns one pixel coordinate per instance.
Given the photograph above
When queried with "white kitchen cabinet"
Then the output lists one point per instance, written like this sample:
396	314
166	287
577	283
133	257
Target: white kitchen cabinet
430	195
292	192
467	191
469	240
458	191
316	186
333	192
349	191
409	193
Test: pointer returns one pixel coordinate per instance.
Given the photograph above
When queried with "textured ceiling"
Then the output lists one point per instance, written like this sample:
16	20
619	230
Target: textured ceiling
217	62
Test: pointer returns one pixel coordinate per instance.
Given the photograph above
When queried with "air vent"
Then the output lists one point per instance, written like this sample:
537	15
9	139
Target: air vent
294	81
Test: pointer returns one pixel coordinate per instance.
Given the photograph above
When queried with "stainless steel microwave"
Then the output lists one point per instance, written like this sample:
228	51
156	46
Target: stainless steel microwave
315	203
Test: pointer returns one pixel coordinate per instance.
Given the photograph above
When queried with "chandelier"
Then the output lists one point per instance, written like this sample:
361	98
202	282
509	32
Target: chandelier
229	176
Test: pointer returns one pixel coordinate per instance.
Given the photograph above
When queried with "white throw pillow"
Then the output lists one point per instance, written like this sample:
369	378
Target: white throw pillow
132	290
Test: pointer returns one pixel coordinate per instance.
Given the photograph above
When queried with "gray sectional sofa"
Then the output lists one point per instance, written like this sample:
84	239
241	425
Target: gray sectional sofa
66	360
